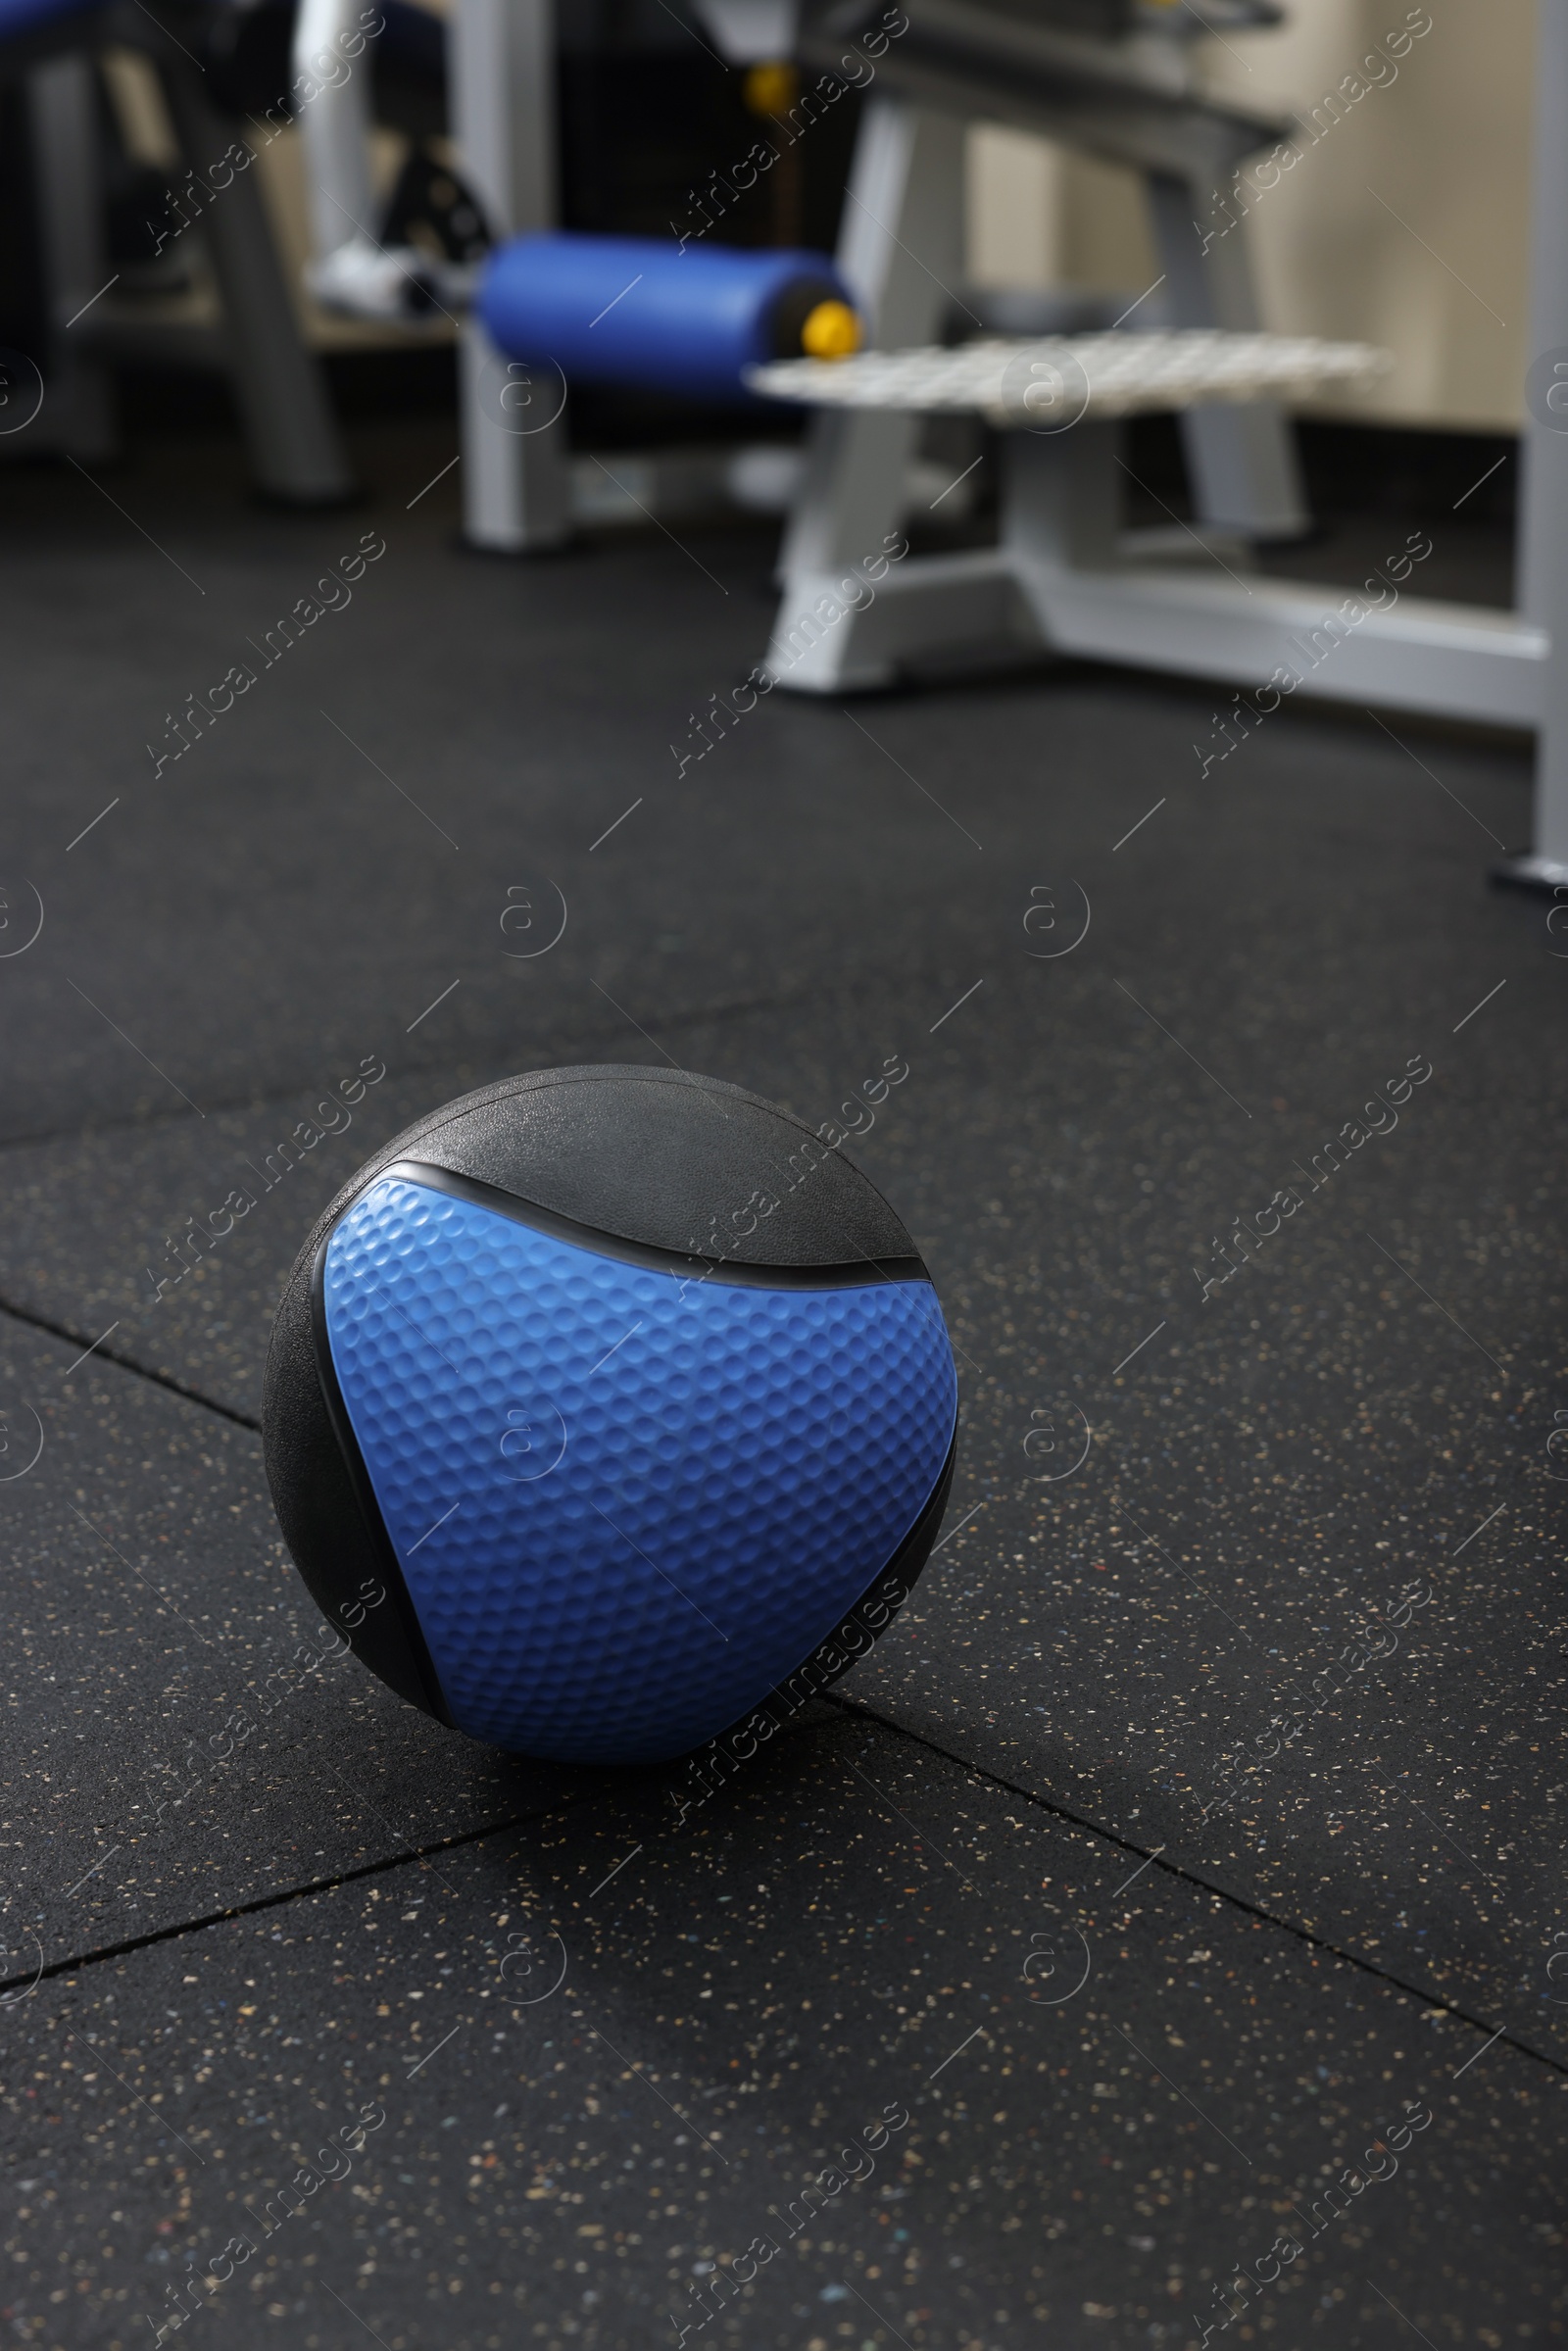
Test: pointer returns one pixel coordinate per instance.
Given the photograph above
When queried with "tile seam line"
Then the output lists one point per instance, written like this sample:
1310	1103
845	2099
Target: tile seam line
315	1886
293	1893
733	1008
140	1371
1267	1918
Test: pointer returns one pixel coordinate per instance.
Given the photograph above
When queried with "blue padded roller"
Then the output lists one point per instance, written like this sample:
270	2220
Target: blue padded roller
642	311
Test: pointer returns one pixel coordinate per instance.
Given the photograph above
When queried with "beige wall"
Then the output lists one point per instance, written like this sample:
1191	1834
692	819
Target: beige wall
1446	146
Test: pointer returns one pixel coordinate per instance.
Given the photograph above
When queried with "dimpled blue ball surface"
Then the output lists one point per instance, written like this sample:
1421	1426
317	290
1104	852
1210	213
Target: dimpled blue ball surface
626	1504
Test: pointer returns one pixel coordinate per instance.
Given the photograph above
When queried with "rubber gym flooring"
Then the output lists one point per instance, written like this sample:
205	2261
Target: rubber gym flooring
1161	1934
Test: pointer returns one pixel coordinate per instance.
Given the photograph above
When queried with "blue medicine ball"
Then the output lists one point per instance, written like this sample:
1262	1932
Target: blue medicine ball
606	1406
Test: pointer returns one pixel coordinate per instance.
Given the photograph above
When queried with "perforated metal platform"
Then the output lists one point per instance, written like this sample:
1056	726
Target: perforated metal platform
1056	380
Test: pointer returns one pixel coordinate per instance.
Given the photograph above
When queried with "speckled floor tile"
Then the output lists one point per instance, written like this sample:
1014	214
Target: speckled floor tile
1284	1587
864	2051
1341	1449
1250	1615
183	1733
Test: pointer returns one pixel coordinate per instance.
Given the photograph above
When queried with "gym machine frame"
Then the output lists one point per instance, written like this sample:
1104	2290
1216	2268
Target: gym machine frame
1059	578
295	452
516	496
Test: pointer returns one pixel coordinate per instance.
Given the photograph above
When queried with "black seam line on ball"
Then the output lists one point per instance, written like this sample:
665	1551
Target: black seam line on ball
294	1893
365	1493
859	1273
1187	1877
142	1371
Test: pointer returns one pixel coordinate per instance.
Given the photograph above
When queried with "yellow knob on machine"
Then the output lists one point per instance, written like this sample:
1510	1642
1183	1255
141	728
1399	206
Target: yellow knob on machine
831	331
771	89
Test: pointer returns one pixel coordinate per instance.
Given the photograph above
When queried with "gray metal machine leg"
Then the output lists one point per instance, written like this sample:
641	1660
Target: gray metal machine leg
1060	500
516	479
289	427
900	249
1245	472
1543	586
78	409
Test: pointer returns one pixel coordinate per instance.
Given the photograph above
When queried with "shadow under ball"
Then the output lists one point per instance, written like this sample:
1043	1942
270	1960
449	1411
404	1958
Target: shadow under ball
599	1403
